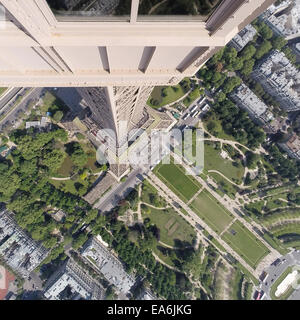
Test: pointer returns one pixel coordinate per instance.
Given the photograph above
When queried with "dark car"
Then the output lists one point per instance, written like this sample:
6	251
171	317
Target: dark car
276	262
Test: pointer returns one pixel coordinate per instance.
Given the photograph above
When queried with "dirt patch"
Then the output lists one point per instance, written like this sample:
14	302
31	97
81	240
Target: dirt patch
169	223
173	229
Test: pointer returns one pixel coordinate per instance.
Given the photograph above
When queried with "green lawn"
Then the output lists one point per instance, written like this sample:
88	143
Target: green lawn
66	185
278	191
289	227
247	273
213	213
218	245
66	171
275	203
281	216
218	130
147	190
66	168
214	161
275	243
245	244
53	104
191	97
256	206
165	95
226	187
92	163
174	176
150	195
164	257
69	185
172	226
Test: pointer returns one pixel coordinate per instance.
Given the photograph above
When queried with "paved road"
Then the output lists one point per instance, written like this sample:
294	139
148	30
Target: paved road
22	106
7	96
33	287
111	199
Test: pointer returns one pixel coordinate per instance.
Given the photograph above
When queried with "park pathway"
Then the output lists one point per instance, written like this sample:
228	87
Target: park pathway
68	178
233	143
223	176
168	106
60	179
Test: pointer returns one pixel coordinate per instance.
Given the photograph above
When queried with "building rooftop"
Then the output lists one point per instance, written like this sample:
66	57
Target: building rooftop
72	278
285	18
292	146
249	100
37	124
243	37
58	215
110	266
19	251
4	151
147	295
280	74
294	143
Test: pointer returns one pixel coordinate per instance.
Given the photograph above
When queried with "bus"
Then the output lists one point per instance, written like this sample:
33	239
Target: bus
194	108
194	114
200	101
